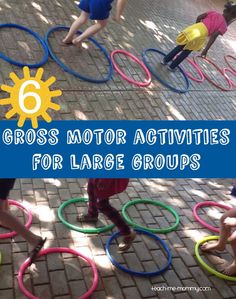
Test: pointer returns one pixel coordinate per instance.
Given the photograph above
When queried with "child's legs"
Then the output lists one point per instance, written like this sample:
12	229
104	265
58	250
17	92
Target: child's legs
83	18
225	233
231	269
104	206
225	230
99	25
5	186
183	55
15	225
9	220
5	205
99	11
232	240
92	208
173	53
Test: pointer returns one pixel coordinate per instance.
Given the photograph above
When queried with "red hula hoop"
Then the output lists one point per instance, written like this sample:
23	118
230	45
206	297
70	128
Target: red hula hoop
229	65
225	70
26	263
218	69
28	223
148	80
206	204
197	68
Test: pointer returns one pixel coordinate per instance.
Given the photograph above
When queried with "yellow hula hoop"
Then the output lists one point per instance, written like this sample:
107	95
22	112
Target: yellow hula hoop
204	265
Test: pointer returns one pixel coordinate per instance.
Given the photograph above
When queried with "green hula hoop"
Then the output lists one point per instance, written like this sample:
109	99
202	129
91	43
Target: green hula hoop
204	265
77	228
156	203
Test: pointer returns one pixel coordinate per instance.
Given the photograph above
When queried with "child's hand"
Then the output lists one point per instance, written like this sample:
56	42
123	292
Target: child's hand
203	54
230	221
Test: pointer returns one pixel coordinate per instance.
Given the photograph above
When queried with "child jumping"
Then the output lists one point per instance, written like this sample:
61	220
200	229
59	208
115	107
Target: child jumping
99	191
227	221
11	222
210	24
97	10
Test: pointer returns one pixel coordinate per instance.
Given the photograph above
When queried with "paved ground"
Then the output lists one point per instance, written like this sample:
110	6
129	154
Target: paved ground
152	23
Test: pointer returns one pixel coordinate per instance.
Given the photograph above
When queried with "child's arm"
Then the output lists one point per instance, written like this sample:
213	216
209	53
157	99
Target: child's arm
210	43
120	6
201	17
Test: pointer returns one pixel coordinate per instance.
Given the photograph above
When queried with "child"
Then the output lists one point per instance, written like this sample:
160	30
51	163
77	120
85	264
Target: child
228	220
97	10
99	191
193	38
11	222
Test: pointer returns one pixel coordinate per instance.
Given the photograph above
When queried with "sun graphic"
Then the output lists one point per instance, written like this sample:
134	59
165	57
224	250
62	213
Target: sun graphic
30	97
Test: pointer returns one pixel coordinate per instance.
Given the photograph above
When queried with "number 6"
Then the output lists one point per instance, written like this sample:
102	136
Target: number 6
23	96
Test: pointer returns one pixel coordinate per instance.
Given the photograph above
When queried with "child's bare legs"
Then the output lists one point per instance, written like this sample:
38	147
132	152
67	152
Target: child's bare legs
231	269
83	18
228	220
5	207
99	25
12	222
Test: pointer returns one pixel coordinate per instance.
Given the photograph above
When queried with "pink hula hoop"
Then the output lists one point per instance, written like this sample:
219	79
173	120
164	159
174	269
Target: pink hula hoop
25	265
225	70
206	204
229	65
28	223
218	69
197	68
139	62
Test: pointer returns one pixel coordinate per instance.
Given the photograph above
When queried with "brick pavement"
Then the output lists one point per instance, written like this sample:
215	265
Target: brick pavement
152	23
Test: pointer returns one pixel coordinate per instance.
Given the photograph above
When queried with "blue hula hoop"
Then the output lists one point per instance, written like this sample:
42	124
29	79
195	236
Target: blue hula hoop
38	38
166	84
70	71
143	274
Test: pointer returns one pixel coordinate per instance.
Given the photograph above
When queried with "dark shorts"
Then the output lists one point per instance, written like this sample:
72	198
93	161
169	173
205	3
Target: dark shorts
98	9
5	187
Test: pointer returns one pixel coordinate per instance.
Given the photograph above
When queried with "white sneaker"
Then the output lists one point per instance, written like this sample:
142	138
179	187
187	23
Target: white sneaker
163	62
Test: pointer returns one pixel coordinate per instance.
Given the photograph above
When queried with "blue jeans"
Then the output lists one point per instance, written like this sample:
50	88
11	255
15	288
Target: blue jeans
184	54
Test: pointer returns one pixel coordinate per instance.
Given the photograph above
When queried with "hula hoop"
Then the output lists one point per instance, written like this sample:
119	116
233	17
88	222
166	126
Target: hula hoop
226	60
188	74
139	62
206	204
204	265
38	38
136	273
25	265
77	228
156	203
225	70
70	71
153	71
28	223
218	69
0	258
